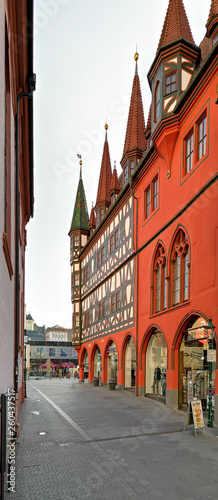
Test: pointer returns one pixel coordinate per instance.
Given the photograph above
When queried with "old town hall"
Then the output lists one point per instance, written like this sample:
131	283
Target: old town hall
143	265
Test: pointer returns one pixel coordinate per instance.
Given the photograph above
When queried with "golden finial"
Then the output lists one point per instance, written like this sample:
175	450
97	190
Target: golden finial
106	126
136	56
80	162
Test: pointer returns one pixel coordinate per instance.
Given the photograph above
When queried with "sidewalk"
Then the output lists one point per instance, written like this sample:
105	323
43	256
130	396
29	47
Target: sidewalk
99	444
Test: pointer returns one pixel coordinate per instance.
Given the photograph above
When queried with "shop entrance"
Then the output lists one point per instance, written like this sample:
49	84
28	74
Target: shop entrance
156	365
193	365
112	362
86	366
130	363
97	364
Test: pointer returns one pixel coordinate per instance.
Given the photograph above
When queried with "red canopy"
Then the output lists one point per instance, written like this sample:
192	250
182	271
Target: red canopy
69	364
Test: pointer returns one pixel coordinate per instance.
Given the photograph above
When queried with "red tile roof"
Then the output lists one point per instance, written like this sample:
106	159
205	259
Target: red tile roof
213	16
135	131
204	46
103	195
176	24
148	126
115	185
92	220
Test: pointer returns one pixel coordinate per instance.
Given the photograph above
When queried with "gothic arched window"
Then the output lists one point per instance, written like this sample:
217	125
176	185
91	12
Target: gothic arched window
180	269
160	282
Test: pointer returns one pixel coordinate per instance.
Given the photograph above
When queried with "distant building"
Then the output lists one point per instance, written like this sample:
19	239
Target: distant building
58	333
144	264
33	331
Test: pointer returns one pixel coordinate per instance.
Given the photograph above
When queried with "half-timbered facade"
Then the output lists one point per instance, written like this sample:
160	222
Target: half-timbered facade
146	274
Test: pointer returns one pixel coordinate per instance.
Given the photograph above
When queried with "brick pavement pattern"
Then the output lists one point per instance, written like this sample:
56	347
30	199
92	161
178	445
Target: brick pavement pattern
100	444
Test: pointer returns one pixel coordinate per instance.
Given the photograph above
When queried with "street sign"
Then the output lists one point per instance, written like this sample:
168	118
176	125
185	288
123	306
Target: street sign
211	355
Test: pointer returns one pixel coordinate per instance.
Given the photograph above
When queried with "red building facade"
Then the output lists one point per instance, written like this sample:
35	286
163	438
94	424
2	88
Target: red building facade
144	274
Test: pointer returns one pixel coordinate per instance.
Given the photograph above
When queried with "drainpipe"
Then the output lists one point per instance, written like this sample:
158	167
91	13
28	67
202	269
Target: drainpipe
31	80
137	276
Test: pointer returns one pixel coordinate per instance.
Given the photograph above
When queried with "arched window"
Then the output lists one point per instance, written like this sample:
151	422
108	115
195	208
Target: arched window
157	101
160	282
180	268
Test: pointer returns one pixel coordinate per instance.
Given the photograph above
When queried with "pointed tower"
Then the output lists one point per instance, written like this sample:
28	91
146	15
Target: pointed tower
115	185
212	23
103	199
176	60
135	143
92	221
78	233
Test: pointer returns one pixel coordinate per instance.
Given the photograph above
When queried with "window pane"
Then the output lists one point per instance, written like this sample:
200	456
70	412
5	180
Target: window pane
176	281
202	136
118	300
157	291
148	201
185	275
155	193
164	288
189	152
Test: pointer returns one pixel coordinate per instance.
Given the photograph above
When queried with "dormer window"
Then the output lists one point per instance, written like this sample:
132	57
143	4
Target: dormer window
157	101
132	166
170	82
215	38
125	173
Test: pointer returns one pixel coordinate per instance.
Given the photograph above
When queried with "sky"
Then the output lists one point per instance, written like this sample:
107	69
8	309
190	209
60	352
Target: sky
84	64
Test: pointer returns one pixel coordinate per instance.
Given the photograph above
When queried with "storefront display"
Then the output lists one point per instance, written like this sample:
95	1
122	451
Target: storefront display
130	363
97	364
193	365
156	365
112	362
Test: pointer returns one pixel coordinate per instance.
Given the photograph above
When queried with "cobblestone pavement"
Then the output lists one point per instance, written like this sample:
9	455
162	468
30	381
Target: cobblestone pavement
99	444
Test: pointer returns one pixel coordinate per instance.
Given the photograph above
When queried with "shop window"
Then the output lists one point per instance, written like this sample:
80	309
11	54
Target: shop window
202	135
170	83
156	365
160	282
189	152
130	363
157	101
193	364
180	269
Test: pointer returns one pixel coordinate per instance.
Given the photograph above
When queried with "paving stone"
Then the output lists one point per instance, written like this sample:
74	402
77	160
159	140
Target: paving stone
100	445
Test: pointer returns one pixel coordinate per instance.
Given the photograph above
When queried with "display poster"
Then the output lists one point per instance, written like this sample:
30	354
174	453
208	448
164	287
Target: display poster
211	355
63	352
193	357
52	352
197	413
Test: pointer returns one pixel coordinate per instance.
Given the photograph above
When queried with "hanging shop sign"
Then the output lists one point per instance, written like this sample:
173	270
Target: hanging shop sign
193	357
211	355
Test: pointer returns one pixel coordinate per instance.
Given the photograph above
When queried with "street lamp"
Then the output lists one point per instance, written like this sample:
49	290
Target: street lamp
210	331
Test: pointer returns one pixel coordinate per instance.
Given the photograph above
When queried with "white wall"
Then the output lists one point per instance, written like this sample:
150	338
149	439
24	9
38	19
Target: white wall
6	285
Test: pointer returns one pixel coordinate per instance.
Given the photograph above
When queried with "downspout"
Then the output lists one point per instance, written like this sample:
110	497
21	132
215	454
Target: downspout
31	85
137	275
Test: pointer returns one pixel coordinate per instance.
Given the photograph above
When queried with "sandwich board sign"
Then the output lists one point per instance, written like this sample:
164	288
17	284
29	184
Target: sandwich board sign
195	415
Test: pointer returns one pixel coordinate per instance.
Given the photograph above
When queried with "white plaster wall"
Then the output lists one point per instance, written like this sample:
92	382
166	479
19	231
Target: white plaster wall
6	285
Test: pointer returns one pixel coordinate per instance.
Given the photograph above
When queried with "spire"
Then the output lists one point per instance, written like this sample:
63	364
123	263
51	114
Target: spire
115	185
135	131
92	220
80	218
213	17
176	24
103	195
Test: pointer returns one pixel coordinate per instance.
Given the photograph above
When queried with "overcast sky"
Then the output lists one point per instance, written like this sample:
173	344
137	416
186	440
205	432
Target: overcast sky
84	62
